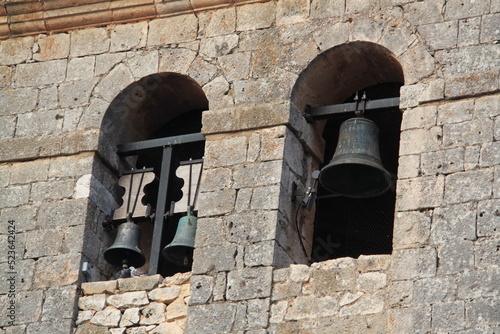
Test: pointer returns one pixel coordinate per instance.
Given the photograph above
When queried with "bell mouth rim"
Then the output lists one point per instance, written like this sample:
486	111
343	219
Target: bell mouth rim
388	178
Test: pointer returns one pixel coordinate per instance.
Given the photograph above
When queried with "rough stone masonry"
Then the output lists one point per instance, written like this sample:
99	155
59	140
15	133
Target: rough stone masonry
62	69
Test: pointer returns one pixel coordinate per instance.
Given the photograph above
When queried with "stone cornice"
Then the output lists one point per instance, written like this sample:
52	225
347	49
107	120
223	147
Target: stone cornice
31	17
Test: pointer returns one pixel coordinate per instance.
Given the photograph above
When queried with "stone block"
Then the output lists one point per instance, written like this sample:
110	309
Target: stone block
142	63
219	22
113	83
52	47
27	172
327	8
218	258
109	317
201	318
410	320
468	31
28	306
252	227
40	123
255	16
89	41
441	35
455	112
468	59
7	126
165	295
54	327
400	293
372	281
216	203
482	312
130	317
128	36
59	303
486	252
326	282
435	290
218	46
417	55
25	214
257	174
71	210
14	196
448	316
92	288
299	273
48	98
364	28
201	289
15	50
225	152
41	191
37	74
414	263
81	68
411	228
260	254
454	223
456	257
218	91
216	179
92	329
471	84
5	76
487	106
76	165
488	218
418	141
105	62
478	284
419	118
285	290
95	302
38	245
165	31
84	316
258	312
468	186
266	198
18	101
421	13
470	133
442	162
490	154
128	300
56	270
177	279
176	310
398	40
471	157
176	60
308	307
418	193
457	9
249	283
153	313
139	283
290	12
364	305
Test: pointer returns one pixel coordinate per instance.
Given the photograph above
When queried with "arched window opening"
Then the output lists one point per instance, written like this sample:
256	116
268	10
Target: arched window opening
345	226
156	124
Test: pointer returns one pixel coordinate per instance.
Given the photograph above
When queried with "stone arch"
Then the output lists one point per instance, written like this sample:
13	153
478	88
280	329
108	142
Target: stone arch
333	77
155	106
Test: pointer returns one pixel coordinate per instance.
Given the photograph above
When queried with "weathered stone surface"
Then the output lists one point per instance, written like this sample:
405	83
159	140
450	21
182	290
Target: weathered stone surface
410	320
139	283
52	47
456	257
219	45
43	73
488	218
130	317
69	209
142	63
17	101
164	31
292	11
95	302
59	303
177	279
14	196
482	312
286	289
89	41
249	283
55	327
218	258
220	22
418	54
255	16
109	317
128	300
56	270
417	141
435	290
27	172
418	193
251	227
442	162
372	281
467	186
81	68
260	254
91	288
178	309
7	126
306	307
38	245
176	60
418	118
216	202
153	313
411	228
49	122
15	50
84	316
201	318
453	223
473	132
258	312
485	251
165	295
201	289
128	36
478	284
119	78
168	327
414	263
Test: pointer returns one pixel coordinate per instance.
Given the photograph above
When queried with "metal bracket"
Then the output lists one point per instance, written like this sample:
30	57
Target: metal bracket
345	109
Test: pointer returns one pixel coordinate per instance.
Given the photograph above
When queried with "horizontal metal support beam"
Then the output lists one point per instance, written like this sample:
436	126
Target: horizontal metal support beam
135	147
313	113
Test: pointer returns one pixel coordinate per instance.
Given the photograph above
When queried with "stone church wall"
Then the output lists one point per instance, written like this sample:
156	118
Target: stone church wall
58	175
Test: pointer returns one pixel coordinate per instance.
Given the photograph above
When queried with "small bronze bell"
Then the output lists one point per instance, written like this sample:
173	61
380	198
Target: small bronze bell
180	250
125	250
356	169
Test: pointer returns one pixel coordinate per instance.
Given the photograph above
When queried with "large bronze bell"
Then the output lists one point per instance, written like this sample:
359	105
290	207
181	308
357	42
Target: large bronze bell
125	250
356	169
180	250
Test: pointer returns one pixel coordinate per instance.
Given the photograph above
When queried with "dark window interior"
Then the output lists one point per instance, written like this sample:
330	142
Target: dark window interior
349	227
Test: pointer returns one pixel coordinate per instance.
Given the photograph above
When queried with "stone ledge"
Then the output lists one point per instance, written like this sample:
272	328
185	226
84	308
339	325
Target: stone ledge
32	18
